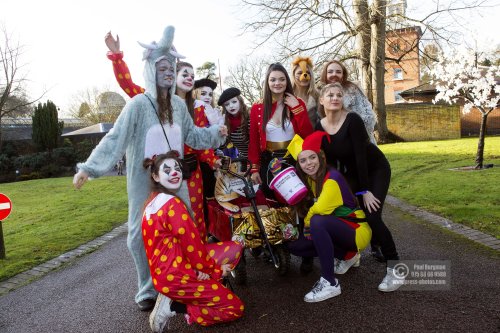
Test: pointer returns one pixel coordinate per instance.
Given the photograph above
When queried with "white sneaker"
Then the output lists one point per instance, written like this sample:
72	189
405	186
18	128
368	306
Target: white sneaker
342	266
391	281
322	290
161	314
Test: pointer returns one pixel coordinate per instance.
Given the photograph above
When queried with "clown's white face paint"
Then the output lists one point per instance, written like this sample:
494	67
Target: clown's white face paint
164	73
185	79
232	106
206	95
169	174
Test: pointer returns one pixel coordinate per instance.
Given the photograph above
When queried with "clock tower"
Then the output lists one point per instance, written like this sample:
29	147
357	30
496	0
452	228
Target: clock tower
402	62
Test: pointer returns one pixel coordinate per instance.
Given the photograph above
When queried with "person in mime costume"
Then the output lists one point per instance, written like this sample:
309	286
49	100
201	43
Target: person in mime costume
150	124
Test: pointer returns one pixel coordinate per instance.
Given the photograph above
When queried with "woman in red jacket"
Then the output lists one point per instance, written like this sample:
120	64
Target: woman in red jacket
273	124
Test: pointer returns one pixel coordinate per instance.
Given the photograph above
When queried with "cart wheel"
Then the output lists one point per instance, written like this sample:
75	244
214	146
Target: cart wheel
239	273
283	256
255	252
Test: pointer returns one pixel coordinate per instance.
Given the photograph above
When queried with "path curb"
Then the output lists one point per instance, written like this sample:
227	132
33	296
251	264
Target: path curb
26	277
472	234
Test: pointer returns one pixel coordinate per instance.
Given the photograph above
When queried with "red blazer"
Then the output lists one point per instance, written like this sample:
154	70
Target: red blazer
300	122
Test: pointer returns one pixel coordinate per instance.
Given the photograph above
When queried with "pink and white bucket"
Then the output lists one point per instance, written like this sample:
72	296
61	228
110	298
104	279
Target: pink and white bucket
288	186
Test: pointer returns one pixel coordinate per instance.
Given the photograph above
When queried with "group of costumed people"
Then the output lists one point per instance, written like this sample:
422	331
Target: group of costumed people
169	130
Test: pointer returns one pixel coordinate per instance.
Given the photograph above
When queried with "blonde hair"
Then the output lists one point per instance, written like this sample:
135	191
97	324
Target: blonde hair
311	90
321	109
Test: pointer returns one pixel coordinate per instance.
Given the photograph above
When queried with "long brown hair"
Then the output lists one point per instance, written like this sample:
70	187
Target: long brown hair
165	106
345	73
306	203
189	94
268	96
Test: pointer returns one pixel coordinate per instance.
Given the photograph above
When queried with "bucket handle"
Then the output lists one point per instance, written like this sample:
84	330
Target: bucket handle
269	168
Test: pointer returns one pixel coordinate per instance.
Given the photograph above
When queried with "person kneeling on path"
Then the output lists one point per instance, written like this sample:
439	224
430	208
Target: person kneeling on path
334	225
185	271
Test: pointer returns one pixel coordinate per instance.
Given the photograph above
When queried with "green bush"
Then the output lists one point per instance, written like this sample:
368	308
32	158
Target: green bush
34	161
50	170
5	163
64	156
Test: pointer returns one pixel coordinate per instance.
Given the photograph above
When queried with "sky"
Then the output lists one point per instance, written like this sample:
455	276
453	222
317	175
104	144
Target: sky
64	40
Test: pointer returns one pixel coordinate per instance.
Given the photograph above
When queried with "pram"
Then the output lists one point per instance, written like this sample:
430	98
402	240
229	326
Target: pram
261	230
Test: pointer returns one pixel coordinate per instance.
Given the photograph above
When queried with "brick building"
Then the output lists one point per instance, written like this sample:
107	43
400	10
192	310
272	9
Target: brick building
402	65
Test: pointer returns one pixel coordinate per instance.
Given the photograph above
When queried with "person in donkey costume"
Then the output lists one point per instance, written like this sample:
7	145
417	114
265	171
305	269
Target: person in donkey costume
151	123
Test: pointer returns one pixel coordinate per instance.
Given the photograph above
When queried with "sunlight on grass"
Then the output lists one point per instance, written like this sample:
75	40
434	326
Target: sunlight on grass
421	175
49	217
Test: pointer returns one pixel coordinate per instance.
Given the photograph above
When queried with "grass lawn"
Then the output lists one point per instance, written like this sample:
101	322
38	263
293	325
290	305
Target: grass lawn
421	176
49	217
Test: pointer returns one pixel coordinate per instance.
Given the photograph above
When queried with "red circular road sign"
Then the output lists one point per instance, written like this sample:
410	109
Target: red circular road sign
5	206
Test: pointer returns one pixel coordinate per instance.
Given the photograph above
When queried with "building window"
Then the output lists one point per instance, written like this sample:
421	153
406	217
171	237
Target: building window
398	74
397	96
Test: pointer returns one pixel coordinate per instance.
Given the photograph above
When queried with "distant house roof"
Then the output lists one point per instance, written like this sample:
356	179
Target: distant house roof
422	90
96	129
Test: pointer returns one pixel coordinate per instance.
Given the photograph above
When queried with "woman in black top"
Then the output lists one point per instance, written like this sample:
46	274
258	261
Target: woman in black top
364	166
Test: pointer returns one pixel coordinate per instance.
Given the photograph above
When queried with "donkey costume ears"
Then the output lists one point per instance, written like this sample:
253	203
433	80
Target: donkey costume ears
154	51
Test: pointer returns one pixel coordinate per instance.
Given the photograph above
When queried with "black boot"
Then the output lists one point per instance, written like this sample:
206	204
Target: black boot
376	252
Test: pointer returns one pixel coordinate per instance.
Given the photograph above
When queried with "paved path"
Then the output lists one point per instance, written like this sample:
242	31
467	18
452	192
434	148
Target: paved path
94	293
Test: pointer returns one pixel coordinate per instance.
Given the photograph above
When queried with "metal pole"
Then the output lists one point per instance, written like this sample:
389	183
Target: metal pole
2	246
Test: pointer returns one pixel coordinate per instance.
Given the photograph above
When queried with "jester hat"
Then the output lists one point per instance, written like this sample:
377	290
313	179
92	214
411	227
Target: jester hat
311	142
156	51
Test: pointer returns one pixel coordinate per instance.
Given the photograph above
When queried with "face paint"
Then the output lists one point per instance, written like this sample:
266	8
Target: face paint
164	73
302	79
277	82
169	174
185	79
309	162
332	99
334	73
232	106
206	95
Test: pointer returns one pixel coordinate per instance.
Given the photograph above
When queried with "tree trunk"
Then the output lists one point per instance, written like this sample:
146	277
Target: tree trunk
377	60
1	132
480	144
363	40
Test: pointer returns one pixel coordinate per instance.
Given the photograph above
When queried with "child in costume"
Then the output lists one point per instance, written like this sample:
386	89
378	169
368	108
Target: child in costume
334	225
204	96
150	123
182	266
304	87
237	120
183	88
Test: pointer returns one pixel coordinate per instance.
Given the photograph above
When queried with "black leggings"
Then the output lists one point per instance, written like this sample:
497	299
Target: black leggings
379	179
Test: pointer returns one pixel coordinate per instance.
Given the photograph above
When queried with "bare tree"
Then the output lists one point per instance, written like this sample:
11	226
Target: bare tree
95	105
247	76
328	29
13	98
